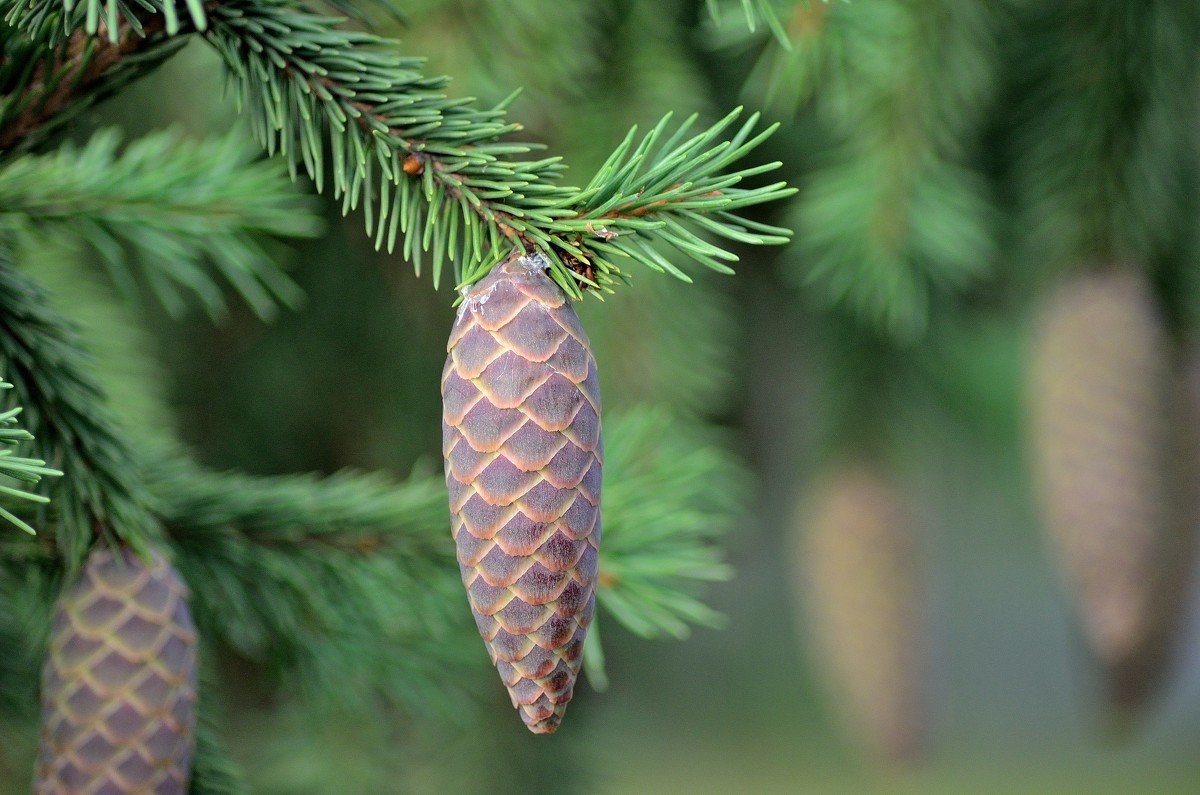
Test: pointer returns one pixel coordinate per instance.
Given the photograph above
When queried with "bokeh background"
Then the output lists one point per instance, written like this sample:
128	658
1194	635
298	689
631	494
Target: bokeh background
954	160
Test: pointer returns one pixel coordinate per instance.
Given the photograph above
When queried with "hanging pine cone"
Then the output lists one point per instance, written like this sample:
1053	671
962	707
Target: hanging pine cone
858	577
1107	460
119	684
521	438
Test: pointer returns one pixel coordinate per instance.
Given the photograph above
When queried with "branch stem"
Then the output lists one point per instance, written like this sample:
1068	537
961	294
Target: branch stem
82	64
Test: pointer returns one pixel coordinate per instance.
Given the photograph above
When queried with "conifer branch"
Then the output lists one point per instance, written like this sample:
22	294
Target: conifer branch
343	586
1100	177
893	176
105	17
213	771
100	492
50	70
784	76
439	170
658	553
174	205
756	14
28	471
284	567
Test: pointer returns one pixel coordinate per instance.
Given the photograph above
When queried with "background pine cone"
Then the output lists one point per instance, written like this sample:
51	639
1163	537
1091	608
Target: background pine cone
1111	447
119	683
521	433
859	579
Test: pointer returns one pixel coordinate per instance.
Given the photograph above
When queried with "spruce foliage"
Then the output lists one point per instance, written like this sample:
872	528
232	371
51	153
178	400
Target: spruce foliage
17	468
340	588
438	172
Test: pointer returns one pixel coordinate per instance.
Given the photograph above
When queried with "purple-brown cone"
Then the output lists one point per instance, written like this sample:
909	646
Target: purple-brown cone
859	576
119	683
521	439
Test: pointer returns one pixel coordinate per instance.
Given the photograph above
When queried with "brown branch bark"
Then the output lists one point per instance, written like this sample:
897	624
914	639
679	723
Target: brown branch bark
86	61
417	161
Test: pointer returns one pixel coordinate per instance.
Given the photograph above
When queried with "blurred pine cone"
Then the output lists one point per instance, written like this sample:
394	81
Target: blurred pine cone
521	438
119	683
1111	447
860	581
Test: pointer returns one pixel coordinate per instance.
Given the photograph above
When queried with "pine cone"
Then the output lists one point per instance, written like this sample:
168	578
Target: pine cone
1107	459
859	579
119	684
521	438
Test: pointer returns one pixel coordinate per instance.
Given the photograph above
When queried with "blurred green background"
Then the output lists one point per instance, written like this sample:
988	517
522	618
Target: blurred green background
947	166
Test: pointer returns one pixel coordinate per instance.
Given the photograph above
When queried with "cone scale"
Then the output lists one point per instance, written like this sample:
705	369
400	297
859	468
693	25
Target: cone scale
1105	410
521	440
119	682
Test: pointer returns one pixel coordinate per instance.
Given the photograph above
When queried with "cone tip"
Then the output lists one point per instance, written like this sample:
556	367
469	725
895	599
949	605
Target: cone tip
547	725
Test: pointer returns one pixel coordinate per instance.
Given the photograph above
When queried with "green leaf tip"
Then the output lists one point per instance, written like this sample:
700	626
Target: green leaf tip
24	470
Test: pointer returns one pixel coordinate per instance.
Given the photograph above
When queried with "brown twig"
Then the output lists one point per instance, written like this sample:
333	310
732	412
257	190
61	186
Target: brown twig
83	63
628	210
417	161
364	545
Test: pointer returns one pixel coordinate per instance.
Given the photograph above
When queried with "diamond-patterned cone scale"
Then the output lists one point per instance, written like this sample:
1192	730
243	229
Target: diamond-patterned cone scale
119	682
858	576
1107	429
521	439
